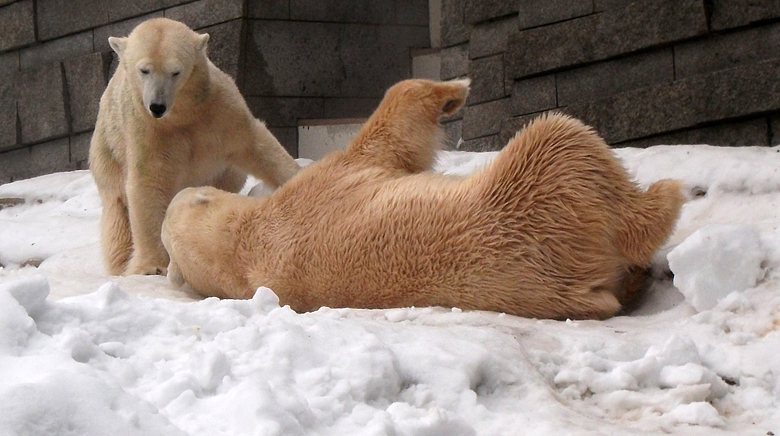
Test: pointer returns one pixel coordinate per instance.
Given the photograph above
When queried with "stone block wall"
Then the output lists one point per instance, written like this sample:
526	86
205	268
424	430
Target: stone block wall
292	59
641	72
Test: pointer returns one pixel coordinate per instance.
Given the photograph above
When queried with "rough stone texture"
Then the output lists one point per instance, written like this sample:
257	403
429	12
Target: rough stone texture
36	160
57	50
533	95
224	48
411	12
8	134
686	103
349	107
487	143
18	25
41	104
734	13
595	37
726	51
204	13
605	5
79	150
285	111
9	64
61	17
454	62
487	79
452	134
122	9
534	13
611	77
347	64
119	29
456	31
483	10
774	126
484	119
366	11
268	9
736	134
86	79
5	2
490	38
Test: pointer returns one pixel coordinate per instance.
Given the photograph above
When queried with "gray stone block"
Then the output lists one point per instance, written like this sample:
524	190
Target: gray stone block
349	107
490	38
8	131
454	61
61	17
340	11
41	104
483	10
285	111
203	13
86	78
452	134
484	119
9	65
411	12
533	95
224	48
18	25
596	37
707	98
35	160
122	9
279	60
79	150
119	29
6	2
606	5
375	58
487	79
487	143
268	9
733	134
454	29
56	50
534	13
352	60
288	137
727	51
733	13
774	126
603	79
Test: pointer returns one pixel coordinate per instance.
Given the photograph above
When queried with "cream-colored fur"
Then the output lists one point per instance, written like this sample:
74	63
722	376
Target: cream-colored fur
170	119
553	228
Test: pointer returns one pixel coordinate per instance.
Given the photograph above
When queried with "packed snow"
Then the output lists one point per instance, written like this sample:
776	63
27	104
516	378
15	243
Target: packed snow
84	353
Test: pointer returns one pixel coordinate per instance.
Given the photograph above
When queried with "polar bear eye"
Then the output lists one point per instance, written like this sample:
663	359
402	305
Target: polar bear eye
175	73
144	71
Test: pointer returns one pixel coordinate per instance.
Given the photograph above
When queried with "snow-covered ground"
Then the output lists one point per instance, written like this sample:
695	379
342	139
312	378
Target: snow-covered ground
82	353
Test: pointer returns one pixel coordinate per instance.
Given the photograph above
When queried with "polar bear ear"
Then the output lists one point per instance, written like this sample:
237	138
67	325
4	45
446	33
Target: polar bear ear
201	41
455	93
117	44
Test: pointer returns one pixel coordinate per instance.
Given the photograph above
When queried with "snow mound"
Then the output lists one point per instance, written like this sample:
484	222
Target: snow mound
715	261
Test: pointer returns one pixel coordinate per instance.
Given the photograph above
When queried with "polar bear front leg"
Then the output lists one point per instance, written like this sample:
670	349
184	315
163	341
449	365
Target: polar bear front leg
147	200
264	157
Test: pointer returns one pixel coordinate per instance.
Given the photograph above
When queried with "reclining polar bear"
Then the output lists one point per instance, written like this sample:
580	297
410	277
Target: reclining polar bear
552	228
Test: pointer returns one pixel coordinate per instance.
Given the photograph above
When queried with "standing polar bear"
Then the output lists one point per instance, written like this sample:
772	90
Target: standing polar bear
170	119
552	228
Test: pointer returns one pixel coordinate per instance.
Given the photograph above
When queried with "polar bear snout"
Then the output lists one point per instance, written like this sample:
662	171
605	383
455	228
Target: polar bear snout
157	109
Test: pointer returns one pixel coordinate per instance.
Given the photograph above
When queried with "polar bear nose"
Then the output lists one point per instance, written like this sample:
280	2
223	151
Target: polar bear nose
158	110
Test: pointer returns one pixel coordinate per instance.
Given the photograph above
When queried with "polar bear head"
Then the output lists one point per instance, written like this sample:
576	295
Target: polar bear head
159	57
